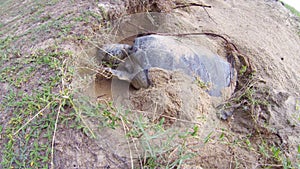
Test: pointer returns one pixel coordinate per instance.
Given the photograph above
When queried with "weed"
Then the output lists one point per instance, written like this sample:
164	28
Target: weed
248	99
38	89
207	138
4	43
168	153
40	93
201	84
243	70
293	10
33	128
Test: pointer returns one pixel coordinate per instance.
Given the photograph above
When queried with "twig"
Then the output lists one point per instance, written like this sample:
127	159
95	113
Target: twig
169	117
230	162
32	118
78	113
100	70
53	138
209	16
185	121
130	153
184	5
193	34
136	148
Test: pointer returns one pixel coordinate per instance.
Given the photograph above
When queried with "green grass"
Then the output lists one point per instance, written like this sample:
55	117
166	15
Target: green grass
36	112
293	10
157	153
30	145
39	99
38	87
266	151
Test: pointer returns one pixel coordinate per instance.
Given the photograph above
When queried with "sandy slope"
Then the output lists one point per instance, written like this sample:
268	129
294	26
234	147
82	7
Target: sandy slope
263	30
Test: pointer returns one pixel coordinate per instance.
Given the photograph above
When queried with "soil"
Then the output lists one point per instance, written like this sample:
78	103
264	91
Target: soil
264	31
172	95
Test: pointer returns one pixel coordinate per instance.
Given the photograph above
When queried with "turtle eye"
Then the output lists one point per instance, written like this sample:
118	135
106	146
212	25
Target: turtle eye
133	49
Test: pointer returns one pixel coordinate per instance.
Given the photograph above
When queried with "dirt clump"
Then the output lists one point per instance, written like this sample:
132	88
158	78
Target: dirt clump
173	95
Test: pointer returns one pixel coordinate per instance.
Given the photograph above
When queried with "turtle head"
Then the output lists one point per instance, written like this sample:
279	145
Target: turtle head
113	53
141	79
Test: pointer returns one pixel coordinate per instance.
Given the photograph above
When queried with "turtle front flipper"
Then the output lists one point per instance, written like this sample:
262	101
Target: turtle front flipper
141	80
113	54
122	75
137	80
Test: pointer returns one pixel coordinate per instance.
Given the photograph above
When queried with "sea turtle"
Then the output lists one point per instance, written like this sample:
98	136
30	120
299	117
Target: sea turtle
166	52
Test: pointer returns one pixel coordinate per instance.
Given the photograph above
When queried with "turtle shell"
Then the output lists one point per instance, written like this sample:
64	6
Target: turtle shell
176	54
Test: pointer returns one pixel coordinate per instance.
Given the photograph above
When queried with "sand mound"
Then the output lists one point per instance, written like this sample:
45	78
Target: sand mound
173	95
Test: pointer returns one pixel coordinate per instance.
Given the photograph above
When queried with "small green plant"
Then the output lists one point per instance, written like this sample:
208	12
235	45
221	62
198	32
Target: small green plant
292	9
202	84
297	106
243	70
170	153
35	114
208	137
